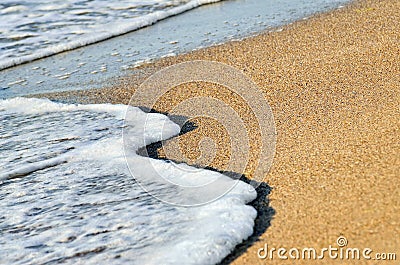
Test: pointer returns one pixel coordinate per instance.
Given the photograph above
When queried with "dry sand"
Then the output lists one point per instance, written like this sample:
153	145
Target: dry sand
333	83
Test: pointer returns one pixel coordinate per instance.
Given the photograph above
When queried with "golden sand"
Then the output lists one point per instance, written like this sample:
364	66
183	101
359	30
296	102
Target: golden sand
333	83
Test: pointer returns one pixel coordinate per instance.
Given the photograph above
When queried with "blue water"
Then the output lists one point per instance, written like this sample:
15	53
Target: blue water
94	65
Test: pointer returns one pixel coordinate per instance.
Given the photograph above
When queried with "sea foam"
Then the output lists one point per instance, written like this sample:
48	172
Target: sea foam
32	31
67	195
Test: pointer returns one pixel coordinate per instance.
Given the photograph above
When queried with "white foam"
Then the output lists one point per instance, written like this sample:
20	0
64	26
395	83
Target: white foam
32	167
97	31
41	106
75	201
12	9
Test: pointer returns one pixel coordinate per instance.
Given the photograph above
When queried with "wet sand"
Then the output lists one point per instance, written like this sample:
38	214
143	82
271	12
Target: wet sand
333	83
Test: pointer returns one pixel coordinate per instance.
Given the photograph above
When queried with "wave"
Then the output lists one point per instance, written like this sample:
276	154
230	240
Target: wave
111	30
68	197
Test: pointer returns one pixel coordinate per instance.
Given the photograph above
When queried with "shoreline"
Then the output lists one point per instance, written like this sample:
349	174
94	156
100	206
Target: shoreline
333	84
136	24
96	65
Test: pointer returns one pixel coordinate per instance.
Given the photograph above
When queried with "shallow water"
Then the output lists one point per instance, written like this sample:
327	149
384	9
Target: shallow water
30	26
95	65
34	29
67	195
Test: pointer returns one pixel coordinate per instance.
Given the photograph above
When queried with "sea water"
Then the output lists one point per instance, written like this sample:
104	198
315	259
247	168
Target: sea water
35	29
67	195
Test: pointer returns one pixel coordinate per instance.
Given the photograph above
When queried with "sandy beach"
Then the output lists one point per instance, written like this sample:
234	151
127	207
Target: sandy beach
333	83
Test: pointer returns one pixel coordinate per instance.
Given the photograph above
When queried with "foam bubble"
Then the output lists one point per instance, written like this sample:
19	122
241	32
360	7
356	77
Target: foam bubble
67	194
